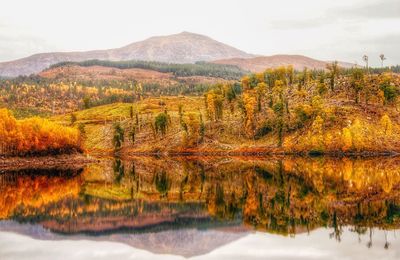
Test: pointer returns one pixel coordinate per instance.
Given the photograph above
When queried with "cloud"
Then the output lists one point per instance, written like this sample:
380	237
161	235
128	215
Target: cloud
300	24
21	45
367	10
371	10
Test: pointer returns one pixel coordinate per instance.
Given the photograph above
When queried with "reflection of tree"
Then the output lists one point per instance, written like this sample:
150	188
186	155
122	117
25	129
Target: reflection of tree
162	183
119	170
369	243
387	244
278	196
337	230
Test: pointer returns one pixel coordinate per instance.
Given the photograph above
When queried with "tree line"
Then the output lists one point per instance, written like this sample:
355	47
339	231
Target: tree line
178	70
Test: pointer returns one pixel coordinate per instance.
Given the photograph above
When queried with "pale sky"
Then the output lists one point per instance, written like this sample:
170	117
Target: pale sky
323	29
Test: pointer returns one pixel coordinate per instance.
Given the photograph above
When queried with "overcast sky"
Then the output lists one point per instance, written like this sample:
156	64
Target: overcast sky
323	29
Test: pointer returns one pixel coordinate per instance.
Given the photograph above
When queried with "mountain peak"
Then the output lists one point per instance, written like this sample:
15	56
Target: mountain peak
189	33
184	47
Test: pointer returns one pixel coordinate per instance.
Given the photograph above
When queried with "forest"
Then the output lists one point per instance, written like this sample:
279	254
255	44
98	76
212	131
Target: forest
197	69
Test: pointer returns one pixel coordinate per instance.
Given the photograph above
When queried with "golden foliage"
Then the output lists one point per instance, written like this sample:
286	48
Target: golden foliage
35	136
191	137
250	106
386	125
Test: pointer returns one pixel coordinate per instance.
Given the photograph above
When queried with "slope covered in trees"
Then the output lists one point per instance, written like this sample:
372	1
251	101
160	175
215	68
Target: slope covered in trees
178	70
69	88
281	111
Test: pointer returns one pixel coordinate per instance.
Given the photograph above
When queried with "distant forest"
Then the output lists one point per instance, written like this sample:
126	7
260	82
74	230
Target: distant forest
179	70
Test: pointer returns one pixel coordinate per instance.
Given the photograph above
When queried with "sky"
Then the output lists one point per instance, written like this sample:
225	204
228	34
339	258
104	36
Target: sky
342	30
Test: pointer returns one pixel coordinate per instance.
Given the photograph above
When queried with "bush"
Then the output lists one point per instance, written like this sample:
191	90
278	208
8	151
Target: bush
35	136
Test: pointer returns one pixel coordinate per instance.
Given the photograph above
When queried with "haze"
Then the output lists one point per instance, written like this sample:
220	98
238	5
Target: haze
343	30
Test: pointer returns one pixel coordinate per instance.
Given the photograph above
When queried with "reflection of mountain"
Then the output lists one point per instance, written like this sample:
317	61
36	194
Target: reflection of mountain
186	242
130	217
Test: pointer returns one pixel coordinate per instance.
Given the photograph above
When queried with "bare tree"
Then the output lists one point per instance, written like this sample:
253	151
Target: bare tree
383	58
365	59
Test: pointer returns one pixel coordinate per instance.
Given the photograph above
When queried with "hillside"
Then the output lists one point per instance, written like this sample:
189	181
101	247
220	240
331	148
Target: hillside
277	111
98	74
259	64
297	117
67	87
184	47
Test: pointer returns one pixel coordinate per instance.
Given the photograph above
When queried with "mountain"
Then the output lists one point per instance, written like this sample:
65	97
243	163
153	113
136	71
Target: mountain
184	47
258	64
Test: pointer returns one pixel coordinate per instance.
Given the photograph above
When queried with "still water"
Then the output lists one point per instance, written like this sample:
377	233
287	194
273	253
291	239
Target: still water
204	208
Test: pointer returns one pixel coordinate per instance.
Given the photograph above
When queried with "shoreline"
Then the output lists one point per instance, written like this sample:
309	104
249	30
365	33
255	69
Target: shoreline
77	161
254	152
63	161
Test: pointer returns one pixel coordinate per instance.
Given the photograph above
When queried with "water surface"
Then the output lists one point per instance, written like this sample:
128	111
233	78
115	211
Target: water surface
211	208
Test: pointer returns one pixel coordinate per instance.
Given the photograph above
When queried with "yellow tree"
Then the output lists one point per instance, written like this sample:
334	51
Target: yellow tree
192	134
249	102
386	125
214	103
316	135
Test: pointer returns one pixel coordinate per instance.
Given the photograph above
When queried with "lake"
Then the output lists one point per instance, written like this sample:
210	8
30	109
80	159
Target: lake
204	208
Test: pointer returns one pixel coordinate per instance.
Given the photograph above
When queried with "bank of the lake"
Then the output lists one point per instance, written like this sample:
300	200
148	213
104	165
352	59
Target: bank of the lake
63	161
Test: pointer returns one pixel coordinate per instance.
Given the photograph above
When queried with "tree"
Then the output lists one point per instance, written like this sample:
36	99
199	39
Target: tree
73	118
245	82
86	102
193	133
249	105
383	58
316	135
161	123
347	139
260	90
202	127
118	138
386	125
333	73
131	112
214	103
357	82
279	108
132	134
390	92
365	59
321	86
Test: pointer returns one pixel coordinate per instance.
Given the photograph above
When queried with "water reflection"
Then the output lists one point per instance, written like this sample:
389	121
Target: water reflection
285	196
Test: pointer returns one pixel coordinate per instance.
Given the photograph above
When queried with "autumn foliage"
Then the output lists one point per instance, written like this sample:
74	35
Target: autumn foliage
35	136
